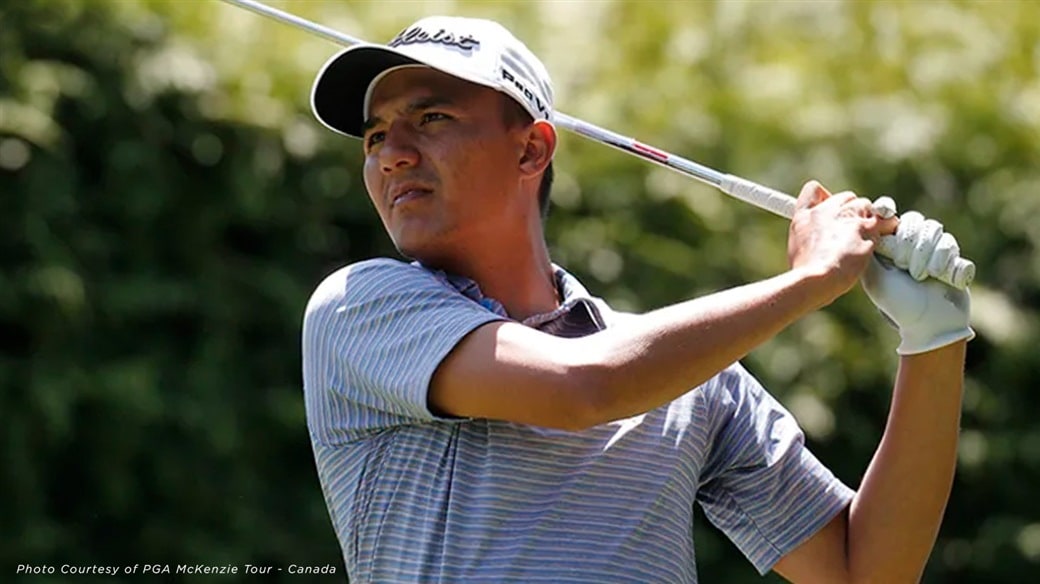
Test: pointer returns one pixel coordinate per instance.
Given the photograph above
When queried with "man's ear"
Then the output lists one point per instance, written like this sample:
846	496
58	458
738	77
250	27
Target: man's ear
539	147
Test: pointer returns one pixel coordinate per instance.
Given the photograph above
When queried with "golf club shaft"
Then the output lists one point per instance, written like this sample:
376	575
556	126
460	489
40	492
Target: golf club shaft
959	274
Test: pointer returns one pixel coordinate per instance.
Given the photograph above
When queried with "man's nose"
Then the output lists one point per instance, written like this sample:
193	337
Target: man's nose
398	149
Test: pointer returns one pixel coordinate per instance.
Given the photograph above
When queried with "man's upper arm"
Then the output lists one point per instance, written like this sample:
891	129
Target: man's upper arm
374	332
760	485
508	371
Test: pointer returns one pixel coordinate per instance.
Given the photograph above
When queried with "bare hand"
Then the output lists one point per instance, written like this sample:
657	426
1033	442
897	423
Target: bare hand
834	235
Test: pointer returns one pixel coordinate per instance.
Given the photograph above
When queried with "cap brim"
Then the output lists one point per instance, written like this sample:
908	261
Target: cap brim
338	94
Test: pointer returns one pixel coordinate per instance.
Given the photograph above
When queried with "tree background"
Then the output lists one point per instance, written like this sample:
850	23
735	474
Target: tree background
167	204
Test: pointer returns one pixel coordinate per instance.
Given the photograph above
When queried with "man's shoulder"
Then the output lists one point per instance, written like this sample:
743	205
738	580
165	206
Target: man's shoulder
366	280
375	274
371	268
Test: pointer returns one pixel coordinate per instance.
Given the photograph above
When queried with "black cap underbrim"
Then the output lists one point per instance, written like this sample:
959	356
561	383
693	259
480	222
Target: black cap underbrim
338	95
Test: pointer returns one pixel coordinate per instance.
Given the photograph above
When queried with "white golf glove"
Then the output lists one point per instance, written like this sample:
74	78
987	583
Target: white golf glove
920	246
928	314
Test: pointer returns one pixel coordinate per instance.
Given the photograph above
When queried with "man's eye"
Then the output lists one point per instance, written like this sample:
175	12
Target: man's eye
433	116
374	138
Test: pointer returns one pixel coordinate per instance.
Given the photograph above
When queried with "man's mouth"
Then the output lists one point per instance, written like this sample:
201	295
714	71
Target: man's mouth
408	194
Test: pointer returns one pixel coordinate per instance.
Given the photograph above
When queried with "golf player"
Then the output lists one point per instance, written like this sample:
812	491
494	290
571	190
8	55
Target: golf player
477	415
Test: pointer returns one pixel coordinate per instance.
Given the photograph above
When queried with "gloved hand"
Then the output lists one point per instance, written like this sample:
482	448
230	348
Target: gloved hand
928	314
920	246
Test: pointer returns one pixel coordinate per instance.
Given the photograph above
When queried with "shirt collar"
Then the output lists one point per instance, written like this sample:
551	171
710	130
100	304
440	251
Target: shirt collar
577	312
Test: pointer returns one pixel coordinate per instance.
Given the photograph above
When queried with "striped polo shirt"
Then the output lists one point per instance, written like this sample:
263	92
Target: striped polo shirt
414	497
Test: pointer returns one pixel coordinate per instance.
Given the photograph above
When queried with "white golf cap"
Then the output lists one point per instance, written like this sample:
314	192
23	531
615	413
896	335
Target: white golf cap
476	50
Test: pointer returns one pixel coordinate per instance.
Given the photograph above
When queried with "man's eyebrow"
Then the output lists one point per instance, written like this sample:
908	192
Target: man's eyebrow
370	123
423	103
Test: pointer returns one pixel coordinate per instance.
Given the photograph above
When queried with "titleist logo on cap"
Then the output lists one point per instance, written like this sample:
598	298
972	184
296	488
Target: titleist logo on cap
416	35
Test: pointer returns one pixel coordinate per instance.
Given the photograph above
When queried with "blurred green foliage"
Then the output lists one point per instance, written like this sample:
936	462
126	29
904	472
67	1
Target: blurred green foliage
167	204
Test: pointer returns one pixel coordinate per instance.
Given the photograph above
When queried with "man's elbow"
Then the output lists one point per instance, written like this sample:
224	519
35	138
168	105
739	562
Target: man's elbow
580	413
893	569
885	575
588	400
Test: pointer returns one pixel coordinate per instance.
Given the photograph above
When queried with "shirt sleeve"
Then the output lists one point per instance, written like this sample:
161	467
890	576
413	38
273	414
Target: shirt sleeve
373	335
760	485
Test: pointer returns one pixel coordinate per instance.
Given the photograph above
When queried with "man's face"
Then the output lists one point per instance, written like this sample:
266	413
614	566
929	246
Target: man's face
441	166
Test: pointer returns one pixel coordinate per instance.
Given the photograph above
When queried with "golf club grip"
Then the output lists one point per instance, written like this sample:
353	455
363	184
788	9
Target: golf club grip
959	273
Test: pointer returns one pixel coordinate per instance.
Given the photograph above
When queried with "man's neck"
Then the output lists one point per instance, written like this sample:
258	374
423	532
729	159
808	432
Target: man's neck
522	280
524	290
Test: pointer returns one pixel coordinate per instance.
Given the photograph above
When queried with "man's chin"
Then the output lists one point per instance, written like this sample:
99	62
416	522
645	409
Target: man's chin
424	256
411	252
406	255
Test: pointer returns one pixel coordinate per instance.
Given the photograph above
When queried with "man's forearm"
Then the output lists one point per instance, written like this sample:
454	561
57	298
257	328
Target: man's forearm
660	355
895	517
